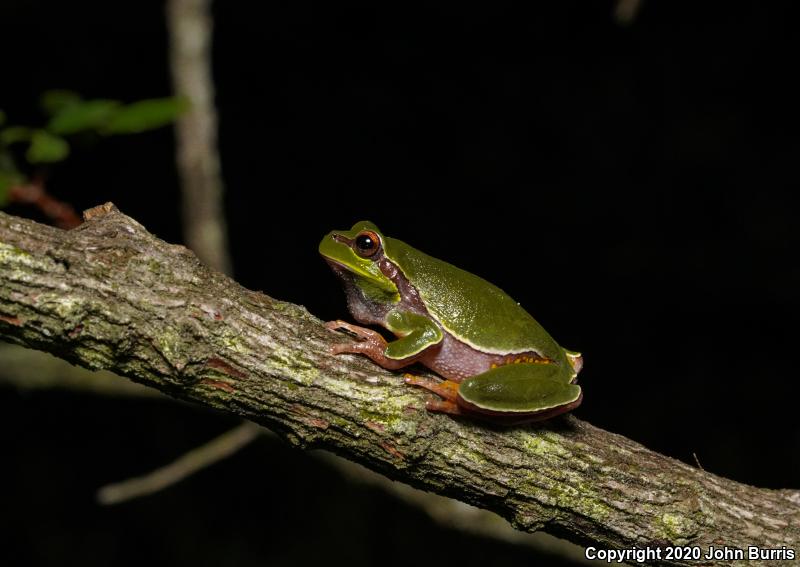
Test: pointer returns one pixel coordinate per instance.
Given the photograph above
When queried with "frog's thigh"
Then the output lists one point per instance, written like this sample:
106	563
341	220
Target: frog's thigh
416	332
520	388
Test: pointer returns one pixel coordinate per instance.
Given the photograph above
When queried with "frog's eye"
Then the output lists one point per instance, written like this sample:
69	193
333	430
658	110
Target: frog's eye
366	244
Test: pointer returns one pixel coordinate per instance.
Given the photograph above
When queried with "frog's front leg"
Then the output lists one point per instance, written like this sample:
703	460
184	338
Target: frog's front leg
372	344
416	334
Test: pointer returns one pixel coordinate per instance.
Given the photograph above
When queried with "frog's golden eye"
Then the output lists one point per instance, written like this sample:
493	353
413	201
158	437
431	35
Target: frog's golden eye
366	244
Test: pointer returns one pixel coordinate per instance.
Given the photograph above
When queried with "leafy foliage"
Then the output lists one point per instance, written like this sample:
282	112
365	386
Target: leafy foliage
83	115
145	115
55	100
46	148
70	114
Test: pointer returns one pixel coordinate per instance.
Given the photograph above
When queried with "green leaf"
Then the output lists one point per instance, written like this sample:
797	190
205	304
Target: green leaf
55	100
83	115
14	134
2	117
7	180
46	148
146	115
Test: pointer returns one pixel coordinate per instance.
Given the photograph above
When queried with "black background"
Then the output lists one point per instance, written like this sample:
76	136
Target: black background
633	187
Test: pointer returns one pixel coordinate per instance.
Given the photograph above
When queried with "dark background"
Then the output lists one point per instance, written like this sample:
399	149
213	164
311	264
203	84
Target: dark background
633	187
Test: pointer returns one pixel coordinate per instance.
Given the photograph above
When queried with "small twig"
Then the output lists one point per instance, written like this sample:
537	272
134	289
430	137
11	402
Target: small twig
204	228
697	461
212	452
61	214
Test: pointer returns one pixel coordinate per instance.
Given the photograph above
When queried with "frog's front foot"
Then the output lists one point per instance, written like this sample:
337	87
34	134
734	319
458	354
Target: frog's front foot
371	343
360	332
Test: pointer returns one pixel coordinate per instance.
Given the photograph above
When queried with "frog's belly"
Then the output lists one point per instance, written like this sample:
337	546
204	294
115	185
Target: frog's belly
457	361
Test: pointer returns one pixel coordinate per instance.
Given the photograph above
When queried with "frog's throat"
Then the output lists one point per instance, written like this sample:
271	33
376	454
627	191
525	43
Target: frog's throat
373	290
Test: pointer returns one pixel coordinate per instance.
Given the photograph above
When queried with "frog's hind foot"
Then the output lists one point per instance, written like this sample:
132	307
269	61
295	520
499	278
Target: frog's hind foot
443	406
446	389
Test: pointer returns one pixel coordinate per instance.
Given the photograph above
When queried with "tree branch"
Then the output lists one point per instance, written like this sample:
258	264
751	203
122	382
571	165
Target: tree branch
109	295
204	228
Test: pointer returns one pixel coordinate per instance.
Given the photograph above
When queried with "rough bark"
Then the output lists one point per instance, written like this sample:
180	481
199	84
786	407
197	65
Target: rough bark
109	295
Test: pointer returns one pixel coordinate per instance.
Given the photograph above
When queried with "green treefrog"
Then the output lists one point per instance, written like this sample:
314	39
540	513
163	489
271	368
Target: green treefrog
498	363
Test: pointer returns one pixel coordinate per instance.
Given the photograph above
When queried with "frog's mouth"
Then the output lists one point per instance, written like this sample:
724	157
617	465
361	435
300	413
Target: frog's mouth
337	252
339	269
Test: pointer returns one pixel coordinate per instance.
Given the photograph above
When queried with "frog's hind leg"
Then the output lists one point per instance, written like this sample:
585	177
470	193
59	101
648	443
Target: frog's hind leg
521	392
446	389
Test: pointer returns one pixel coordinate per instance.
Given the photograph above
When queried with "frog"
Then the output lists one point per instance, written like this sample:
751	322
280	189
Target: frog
496	362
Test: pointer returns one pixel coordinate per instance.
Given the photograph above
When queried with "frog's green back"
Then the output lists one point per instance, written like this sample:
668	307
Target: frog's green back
469	307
